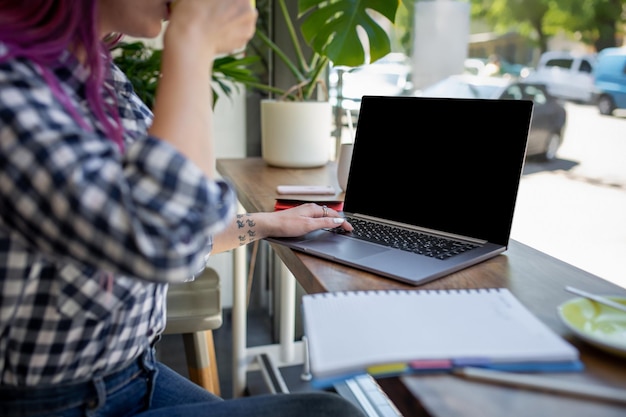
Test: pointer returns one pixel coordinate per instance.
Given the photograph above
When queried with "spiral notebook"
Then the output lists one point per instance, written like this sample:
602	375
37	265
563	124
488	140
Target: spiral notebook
403	331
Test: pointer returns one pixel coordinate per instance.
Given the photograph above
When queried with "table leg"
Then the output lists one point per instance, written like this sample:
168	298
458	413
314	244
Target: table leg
287	312
240	324
242	355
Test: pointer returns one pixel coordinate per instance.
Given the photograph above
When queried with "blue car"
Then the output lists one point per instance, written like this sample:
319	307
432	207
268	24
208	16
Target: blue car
610	80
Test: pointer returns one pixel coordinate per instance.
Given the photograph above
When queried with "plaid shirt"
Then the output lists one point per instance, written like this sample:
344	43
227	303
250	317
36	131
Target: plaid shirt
89	236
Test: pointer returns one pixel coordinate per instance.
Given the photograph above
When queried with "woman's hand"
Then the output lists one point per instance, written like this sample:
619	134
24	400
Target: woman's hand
300	220
292	222
215	26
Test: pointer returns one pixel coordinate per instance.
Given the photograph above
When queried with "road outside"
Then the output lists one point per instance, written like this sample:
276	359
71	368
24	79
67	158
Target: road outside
574	208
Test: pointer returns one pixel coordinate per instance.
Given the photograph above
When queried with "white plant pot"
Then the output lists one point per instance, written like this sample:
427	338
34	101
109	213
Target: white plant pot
296	134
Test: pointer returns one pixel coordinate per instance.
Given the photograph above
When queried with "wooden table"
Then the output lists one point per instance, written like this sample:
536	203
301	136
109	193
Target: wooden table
537	279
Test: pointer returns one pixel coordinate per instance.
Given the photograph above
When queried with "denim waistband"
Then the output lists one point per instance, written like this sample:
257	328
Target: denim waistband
33	400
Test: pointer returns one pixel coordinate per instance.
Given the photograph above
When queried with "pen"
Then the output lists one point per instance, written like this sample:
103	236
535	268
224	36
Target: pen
597	298
541	383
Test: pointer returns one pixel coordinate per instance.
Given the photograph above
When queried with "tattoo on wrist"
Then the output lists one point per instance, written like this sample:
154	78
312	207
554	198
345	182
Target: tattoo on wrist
245	222
240	222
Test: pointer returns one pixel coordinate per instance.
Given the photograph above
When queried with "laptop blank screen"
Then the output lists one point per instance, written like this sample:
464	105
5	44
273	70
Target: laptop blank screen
443	164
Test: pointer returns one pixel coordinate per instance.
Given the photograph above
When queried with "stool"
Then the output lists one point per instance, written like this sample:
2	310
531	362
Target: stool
194	309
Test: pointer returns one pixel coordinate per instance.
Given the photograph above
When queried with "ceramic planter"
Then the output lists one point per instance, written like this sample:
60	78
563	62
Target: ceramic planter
296	134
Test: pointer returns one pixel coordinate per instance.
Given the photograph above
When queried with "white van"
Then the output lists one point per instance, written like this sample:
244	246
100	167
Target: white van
566	75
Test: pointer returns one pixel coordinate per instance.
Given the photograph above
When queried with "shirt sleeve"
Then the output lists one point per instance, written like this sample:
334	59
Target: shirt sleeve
69	193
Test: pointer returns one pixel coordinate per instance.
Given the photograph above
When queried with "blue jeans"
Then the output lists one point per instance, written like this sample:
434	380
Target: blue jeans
148	388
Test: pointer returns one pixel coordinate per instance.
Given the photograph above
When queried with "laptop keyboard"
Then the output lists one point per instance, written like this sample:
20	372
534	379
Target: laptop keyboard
408	240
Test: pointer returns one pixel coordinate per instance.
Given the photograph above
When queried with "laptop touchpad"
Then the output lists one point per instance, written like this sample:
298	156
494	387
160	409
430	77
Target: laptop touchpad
341	247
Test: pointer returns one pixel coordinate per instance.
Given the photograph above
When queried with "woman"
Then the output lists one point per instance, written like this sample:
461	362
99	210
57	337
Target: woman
103	203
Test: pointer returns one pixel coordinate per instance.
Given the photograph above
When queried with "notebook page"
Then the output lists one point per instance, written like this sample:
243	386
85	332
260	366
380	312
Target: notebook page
348	331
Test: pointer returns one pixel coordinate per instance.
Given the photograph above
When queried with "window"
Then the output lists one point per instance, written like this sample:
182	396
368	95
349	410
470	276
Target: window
585	66
560	63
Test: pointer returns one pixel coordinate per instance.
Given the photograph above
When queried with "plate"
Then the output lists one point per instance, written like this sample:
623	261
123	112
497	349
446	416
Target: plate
597	324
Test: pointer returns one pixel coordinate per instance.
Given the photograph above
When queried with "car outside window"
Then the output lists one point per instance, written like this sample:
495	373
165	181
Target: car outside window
513	93
535	94
585	66
560	63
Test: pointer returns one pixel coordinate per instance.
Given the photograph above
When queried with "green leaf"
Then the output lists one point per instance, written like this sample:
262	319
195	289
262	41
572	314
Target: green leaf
142	65
330	27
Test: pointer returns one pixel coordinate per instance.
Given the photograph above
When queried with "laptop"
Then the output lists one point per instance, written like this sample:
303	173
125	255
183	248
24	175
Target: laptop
445	169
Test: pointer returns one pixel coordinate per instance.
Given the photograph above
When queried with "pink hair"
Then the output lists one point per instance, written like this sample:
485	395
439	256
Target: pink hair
42	30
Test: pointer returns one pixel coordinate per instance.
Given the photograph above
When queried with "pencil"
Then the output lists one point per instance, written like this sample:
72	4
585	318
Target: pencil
597	298
542	383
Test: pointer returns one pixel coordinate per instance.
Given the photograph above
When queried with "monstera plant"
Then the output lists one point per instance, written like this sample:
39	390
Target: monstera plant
330	29
296	124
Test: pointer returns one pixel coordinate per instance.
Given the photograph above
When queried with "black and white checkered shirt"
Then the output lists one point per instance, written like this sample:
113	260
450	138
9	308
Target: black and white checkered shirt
74	212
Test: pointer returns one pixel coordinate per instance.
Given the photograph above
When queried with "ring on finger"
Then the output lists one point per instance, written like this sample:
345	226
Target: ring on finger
325	208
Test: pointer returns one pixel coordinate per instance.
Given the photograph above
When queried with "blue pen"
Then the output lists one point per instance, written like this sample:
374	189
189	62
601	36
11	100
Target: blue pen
477	362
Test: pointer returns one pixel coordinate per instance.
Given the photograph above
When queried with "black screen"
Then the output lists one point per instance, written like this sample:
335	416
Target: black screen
444	164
